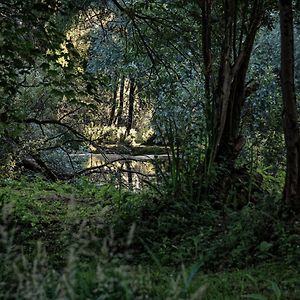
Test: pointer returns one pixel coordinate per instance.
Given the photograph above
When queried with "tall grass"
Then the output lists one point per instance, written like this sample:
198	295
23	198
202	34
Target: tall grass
85	245
87	271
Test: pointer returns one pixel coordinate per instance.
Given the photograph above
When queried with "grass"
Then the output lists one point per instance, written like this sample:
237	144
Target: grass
80	241
266	281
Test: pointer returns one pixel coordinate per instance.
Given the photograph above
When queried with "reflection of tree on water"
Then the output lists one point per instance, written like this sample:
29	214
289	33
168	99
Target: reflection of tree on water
129	174
127	171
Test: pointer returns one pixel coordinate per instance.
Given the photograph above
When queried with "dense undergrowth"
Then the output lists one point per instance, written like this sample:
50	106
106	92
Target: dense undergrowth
83	241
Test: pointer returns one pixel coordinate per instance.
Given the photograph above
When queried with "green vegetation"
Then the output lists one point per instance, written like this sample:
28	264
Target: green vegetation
149	149
80	241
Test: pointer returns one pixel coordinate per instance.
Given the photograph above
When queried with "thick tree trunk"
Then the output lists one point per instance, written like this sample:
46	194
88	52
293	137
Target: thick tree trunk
229	96
206	9
290	119
225	77
231	141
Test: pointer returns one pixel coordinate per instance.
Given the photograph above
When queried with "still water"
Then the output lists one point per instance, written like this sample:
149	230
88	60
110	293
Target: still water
132	172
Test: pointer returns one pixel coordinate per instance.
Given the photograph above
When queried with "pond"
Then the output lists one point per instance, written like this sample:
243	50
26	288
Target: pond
122	170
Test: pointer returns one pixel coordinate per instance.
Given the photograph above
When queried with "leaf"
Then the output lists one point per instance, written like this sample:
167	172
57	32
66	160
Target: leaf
200	292
275	288
192	273
264	246
251	278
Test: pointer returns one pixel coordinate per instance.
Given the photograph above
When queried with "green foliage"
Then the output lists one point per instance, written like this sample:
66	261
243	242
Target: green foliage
266	281
79	241
228	236
59	92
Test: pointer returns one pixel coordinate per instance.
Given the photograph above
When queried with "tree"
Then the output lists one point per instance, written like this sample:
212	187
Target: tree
41	84
224	68
114	101
290	114
121	101
241	21
130	105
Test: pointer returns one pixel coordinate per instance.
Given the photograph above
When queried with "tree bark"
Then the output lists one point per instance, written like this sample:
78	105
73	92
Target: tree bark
229	95
206	9
206	46
130	106
114	103
121	101
290	115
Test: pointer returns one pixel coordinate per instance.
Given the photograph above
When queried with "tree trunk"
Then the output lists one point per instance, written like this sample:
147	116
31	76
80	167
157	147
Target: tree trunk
206	9
229	94
290	115
121	101
114	103
206	49
130	106
231	141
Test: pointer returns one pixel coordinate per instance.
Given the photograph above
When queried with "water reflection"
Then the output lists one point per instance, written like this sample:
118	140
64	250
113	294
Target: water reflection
132	172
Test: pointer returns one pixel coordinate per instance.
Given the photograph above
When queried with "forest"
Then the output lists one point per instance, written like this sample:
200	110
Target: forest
150	149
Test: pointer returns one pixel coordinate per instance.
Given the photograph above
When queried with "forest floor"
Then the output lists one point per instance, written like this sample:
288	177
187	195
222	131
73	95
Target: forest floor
80	241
